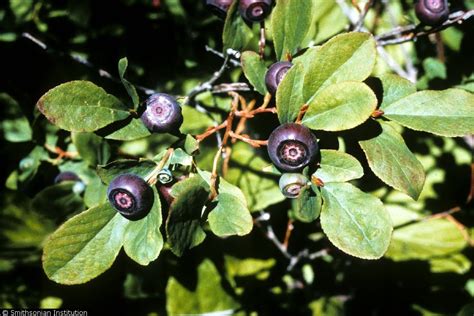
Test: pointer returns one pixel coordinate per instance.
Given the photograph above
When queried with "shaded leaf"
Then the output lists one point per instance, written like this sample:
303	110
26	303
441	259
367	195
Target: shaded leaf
143	240
425	240
92	148
183	225
134	129
141	168
209	295
245	172
307	206
236	34
392	161
355	222
132	92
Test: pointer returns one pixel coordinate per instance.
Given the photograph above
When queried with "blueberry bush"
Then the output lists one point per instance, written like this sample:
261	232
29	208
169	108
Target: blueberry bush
287	157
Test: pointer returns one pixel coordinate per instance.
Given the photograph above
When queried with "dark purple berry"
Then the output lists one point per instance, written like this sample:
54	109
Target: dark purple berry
66	176
165	193
255	10
432	12
131	196
219	7
162	114
292	147
275	75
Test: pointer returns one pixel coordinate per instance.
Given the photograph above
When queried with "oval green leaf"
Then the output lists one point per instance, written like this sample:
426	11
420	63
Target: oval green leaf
392	161
355	222
290	29
336	166
307	207
254	69
345	57
81	106
84	246
183	225
289	96
426	240
143	240
394	88
446	113
340	107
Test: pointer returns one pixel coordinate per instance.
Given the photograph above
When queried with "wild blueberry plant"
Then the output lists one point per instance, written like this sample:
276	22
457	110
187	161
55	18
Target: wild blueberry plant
329	89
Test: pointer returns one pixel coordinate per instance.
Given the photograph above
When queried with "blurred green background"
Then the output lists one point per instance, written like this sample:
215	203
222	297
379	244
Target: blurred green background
427	271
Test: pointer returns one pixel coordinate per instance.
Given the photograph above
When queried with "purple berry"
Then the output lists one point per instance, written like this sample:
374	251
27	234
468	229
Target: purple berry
131	196
162	114
66	176
432	12
292	147
255	10
275	75
219	7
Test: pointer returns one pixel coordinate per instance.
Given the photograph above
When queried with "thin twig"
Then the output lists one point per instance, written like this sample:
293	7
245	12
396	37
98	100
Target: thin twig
363	14
207	85
411	32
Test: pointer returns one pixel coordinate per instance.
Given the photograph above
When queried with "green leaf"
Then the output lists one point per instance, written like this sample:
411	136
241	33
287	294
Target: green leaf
57	201
92	148
392	161
329	20
336	166
236	34
84	246
143	240
456	263
254	69
81	106
446	113
141	168
231	215
355	222
96	193
183	226
132	92
14	124
290	29
289	96
260	190
191	145
395	88
434	68
426	240
345	57
307	206
195	122
340	107
132	130
208	297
